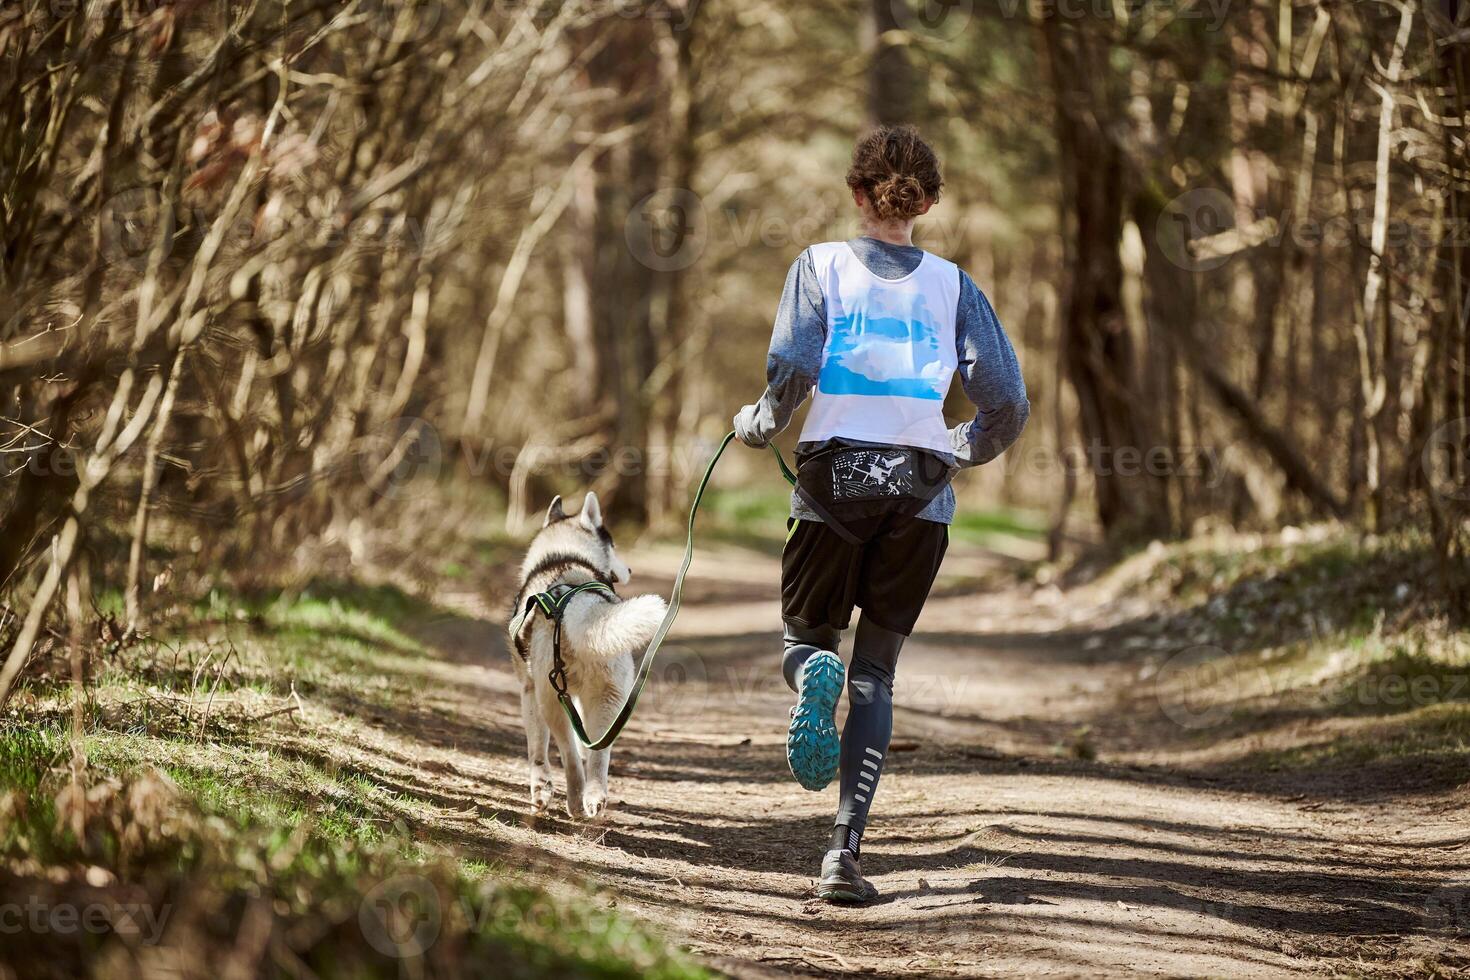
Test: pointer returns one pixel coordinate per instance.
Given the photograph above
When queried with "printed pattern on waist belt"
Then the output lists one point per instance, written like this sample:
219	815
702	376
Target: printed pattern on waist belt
862	474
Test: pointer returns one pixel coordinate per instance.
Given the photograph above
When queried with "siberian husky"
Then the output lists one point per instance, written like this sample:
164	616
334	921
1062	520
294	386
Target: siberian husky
599	638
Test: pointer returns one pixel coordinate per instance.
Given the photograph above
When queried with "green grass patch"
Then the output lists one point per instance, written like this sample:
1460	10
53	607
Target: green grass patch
27	817
756	517
746	515
372	613
210	819
332	639
264	787
164	872
1410	673
982	527
1437	733
1301	565
1322	641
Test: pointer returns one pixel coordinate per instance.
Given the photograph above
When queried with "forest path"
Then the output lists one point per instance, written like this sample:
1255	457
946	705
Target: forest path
999	847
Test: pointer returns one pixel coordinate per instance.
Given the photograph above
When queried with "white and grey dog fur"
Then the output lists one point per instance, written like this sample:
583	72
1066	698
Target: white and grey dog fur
599	638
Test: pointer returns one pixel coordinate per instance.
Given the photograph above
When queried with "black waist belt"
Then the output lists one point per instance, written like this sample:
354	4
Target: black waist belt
848	482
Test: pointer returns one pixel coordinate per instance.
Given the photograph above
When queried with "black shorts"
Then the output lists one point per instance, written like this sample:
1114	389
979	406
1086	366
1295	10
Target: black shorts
888	576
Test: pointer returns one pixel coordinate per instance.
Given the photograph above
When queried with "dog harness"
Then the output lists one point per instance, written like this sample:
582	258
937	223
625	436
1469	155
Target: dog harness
553	604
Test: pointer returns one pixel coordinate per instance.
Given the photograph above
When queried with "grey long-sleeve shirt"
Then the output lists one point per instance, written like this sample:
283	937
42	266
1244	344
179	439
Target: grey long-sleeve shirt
988	369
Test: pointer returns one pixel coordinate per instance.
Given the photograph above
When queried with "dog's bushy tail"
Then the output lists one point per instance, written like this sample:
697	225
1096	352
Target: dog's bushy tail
603	629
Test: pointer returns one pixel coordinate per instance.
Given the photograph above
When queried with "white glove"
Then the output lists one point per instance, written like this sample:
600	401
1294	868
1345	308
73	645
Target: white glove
746	429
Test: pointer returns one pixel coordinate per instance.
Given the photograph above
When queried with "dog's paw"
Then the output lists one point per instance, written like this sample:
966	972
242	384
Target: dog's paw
594	804
541	795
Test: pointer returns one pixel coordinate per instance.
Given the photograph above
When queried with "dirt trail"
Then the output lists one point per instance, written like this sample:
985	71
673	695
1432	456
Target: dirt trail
997	851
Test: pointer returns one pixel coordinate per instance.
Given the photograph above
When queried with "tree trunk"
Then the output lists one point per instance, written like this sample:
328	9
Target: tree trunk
1100	359
622	278
1375	371
891	81
669	309
133	591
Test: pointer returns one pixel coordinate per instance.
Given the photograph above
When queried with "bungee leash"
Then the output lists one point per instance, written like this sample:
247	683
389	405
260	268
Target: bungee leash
554	606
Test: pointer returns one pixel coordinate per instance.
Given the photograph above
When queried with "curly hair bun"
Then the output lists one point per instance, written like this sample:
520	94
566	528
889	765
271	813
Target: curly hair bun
898	196
897	171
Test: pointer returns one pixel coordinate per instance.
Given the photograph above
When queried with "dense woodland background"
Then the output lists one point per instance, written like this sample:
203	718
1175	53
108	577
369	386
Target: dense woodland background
307	308
263	259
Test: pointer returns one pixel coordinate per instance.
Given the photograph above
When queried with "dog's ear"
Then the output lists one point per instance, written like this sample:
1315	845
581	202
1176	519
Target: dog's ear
554	512
591	512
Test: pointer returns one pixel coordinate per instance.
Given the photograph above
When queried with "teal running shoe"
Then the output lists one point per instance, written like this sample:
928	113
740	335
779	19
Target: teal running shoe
813	746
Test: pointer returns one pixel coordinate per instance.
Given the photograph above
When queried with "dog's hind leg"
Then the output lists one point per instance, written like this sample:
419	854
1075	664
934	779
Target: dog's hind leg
571	754
538	749
602	711
600	714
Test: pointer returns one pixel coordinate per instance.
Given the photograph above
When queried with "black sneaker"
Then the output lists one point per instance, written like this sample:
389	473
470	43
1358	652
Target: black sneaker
842	879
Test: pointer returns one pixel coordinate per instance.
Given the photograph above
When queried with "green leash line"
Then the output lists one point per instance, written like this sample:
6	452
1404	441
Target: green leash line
780	461
645	666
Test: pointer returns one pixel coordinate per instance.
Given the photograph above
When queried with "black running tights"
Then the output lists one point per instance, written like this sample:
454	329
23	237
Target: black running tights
869	724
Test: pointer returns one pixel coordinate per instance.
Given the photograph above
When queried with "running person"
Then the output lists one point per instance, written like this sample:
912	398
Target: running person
879	328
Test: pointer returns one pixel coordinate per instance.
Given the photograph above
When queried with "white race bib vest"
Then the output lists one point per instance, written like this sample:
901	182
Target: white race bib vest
890	352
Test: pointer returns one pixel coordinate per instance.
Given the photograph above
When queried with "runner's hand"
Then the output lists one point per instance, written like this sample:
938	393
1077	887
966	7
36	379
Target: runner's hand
747	429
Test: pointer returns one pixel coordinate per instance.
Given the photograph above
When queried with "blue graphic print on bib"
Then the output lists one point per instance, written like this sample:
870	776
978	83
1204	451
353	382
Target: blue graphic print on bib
887	345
